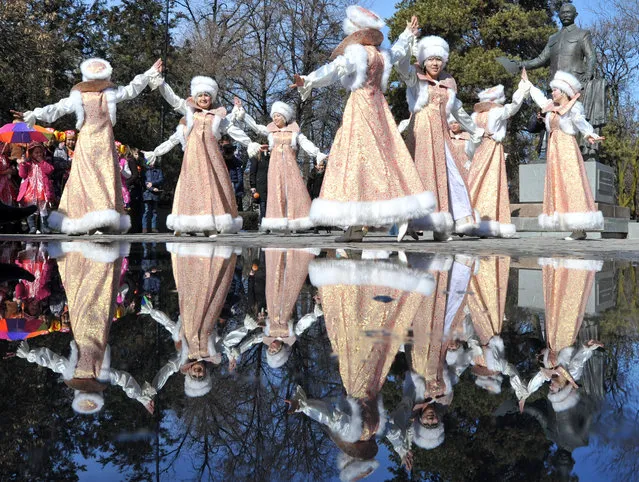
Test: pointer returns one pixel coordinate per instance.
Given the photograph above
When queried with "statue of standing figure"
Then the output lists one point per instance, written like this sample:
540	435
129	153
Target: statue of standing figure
571	50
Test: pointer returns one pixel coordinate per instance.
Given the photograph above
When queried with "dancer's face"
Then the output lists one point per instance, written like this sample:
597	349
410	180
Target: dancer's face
279	120
558	96
275	347
434	66
197	371
429	416
455	127
203	100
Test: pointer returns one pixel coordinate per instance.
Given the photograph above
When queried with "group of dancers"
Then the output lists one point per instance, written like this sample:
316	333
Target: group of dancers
373	177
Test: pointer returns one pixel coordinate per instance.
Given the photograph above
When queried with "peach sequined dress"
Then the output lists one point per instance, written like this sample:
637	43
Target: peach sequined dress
288	204
488	184
204	197
430	145
92	197
370	177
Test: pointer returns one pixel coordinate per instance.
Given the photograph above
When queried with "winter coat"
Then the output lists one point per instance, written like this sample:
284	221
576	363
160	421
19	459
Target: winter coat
258	175
155	176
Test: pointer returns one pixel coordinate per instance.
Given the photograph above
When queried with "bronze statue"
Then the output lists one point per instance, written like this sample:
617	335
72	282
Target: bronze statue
571	50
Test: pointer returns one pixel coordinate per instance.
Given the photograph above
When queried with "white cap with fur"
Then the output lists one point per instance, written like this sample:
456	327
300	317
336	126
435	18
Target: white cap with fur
493	94
428	438
360	18
432	46
283	109
201	84
198	388
87	403
351	468
96	69
567	83
564	399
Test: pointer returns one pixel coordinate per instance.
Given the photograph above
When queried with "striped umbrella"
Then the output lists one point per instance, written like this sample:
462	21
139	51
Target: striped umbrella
20	133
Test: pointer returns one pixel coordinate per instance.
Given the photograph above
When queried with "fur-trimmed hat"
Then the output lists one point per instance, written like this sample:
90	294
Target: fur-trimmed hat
201	84
491	383
96	69
428	438
277	360
493	94
87	403
284	109
351	468
198	388
567	83
564	399
432	46
360	18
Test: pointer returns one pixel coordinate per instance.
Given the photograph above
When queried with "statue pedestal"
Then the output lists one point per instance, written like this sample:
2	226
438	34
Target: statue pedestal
531	197
600	176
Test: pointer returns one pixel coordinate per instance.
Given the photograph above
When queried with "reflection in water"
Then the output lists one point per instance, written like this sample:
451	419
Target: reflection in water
389	362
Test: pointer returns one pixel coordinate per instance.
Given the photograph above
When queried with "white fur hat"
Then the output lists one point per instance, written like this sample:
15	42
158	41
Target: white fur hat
284	109
428	438
95	69
354	469
564	399
493	94
277	360
432	46
201	84
87	403
360	18
198	388
566	82
491	383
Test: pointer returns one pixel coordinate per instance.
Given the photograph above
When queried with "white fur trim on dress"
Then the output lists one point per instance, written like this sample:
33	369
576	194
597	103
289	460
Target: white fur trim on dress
82	397
491	383
565	82
104	74
428	438
357	55
355	423
202	84
108	218
496	229
201	250
418	97
100	252
432	46
388	67
360	18
351	468
326	212
589	221
283	109
283	224
112	105
204	222
440	222
493	94
370	273
564	399
375	254
571	263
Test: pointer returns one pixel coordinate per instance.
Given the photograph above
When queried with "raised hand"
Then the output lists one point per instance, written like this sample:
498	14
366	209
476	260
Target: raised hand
158	65
298	81
17	115
524	74
413	25
237	102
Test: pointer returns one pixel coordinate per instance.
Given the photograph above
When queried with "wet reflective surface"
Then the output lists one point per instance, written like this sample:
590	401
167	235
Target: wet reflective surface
192	361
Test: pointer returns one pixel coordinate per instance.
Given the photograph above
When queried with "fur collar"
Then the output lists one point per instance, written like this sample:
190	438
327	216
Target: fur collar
367	36
485	106
292	127
219	113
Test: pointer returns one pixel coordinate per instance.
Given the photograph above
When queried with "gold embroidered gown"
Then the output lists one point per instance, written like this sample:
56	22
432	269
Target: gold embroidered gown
370	177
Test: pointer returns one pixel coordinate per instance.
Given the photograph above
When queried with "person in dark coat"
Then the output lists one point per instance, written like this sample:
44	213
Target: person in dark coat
134	184
153	180
258	179
234	165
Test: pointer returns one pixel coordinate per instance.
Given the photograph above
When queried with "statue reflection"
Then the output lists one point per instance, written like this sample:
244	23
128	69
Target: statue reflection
369	306
90	274
203	274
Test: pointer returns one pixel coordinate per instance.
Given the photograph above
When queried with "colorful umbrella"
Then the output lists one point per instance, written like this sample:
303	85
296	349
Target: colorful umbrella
20	133
49	132
21	328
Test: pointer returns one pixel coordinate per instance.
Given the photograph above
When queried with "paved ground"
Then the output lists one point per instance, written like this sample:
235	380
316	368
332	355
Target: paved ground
627	249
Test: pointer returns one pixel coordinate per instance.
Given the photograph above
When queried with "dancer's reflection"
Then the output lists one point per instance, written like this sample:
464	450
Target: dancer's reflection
567	285
487	306
90	275
368	306
286	272
203	274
